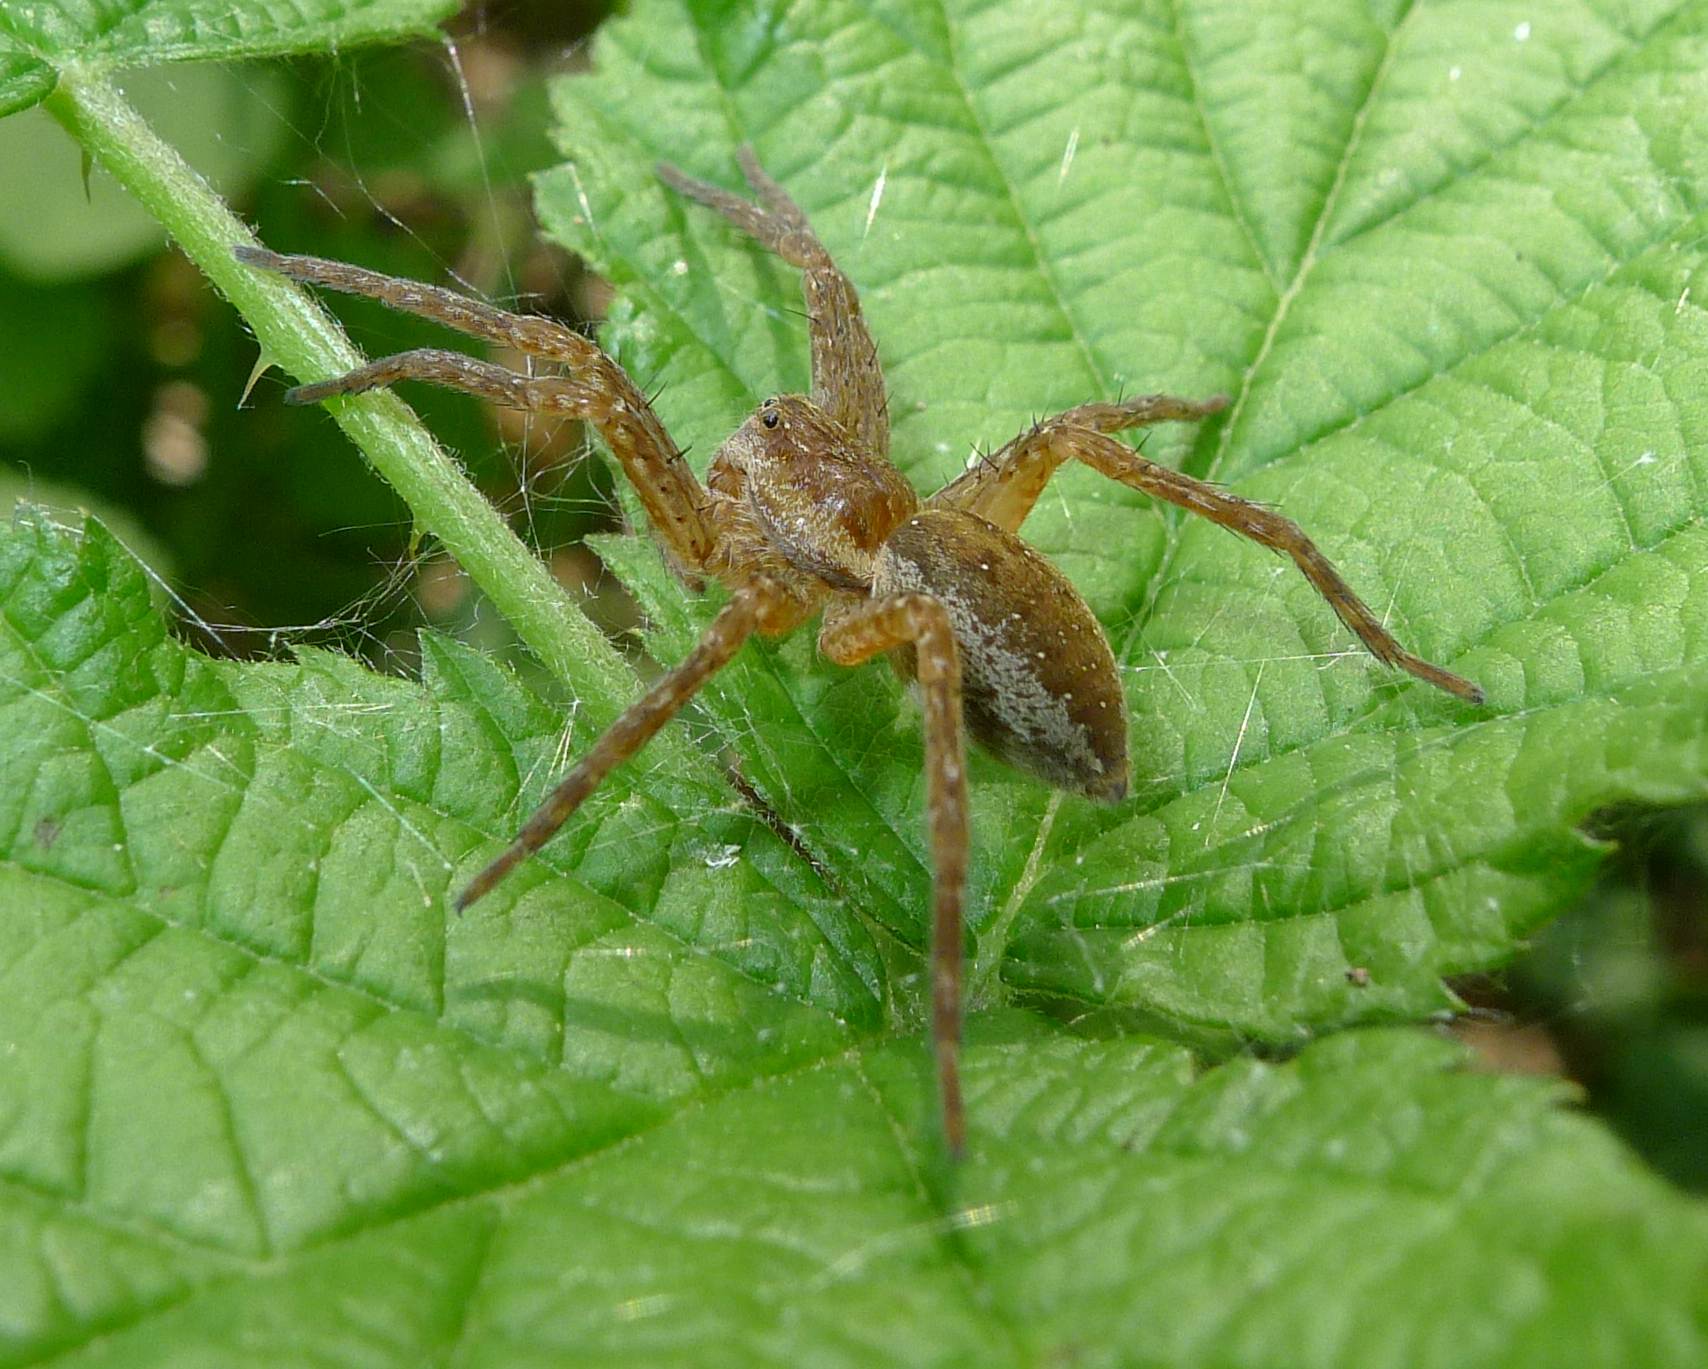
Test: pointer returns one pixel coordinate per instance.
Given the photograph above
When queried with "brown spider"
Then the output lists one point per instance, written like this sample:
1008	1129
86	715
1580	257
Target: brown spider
801	512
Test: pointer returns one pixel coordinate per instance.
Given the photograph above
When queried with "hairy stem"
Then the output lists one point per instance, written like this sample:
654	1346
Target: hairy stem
296	334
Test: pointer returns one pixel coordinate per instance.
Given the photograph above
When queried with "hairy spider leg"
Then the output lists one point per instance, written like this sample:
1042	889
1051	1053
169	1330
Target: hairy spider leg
852	636
1003	487
847	381
531	333
434	366
597	389
1008	488
743	615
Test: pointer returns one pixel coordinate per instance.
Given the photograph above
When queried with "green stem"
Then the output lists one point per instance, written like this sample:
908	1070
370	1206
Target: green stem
298	335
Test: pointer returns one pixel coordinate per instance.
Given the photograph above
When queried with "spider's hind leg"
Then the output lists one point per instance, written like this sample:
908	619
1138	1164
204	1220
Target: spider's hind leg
756	607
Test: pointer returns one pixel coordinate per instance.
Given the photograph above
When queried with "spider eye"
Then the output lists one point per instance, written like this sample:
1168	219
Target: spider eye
769	418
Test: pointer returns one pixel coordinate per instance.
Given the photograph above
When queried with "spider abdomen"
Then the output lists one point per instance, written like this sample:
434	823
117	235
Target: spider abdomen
1039	685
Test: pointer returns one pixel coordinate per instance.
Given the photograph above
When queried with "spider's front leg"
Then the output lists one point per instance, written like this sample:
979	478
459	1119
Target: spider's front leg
1004	489
847	381
596	389
850	637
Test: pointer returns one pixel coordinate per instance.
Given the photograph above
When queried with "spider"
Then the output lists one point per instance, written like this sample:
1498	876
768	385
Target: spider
802	514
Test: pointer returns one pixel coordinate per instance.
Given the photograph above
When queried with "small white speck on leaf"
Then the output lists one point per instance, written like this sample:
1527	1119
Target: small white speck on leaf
1068	154
877	197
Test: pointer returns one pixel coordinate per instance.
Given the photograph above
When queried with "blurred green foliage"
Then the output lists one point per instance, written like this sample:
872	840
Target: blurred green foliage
1620	986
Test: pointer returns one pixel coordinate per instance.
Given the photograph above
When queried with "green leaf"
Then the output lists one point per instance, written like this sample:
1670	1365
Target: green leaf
399	789
61	224
265	1100
38	40
1448	261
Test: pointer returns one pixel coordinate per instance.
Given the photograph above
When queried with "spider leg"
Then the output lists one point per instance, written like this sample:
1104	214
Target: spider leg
847	381
855	635
435	366
1003	487
596	390
751	609
530	333
1082	435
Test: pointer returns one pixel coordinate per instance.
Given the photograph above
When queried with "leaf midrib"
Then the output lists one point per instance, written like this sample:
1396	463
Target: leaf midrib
1632	46
1307	260
1611	69
1217	159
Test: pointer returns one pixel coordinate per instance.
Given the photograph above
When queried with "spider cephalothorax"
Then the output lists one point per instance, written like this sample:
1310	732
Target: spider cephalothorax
795	496
803	513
